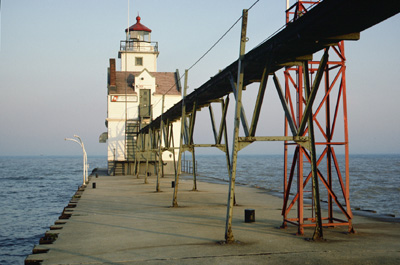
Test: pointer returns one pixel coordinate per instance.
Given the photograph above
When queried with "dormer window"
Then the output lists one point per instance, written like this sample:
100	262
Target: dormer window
139	61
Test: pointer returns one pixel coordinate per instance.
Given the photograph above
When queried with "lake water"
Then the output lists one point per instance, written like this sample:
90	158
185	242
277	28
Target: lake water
34	190
374	179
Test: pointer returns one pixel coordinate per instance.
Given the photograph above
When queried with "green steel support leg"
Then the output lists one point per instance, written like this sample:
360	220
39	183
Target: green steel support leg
228	228
135	165
194	171
225	132
159	163
138	169
147	156
318	234
313	92
177	171
160	138
183	122
213	123
222	125
260	99
191	132
138	155
171	135
153	153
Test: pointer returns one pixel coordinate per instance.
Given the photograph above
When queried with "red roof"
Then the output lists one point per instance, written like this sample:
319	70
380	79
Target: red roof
166	83
138	26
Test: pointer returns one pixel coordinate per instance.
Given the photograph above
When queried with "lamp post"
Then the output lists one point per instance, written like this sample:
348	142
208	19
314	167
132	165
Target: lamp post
84	156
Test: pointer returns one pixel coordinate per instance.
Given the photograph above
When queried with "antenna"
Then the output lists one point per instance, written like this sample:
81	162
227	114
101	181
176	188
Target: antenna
0	25
127	32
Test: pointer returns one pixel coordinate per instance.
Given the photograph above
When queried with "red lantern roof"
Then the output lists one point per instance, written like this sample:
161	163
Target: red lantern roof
138	26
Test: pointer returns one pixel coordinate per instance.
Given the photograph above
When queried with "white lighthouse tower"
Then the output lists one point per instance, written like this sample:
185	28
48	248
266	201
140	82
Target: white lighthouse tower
134	98
138	52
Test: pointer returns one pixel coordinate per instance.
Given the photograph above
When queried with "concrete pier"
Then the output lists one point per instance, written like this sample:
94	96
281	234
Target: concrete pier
123	221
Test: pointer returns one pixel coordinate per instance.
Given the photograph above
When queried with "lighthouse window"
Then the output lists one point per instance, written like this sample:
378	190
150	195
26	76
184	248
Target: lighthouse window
139	61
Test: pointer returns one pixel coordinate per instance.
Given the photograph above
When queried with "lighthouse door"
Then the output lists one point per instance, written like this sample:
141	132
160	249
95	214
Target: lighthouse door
144	103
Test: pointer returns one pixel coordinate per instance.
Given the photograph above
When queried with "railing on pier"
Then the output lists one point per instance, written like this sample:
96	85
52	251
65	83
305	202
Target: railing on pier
187	166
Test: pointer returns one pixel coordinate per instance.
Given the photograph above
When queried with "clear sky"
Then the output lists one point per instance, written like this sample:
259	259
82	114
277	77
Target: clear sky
54	58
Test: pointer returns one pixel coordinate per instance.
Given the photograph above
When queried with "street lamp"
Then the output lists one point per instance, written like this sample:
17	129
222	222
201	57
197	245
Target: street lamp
86	165
84	156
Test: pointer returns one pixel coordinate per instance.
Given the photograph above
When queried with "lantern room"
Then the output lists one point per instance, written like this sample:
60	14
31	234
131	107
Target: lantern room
138	32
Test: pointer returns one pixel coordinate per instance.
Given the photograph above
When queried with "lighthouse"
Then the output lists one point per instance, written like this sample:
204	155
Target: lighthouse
137	52
134	99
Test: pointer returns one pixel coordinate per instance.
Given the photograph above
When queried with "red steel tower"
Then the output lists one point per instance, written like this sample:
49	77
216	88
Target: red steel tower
331	139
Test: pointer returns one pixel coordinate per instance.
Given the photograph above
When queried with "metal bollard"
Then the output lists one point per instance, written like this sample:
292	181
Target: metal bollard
249	215
94	185
172	184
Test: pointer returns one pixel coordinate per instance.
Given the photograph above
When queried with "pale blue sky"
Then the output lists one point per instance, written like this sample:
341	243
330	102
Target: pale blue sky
54	57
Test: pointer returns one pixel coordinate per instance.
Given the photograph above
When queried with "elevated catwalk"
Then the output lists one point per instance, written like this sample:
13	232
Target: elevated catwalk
323	27
329	22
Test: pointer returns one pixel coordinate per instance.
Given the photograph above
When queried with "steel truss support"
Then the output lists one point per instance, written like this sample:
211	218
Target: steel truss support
300	118
297	80
186	142
150	148
145	151
187	137
313	116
